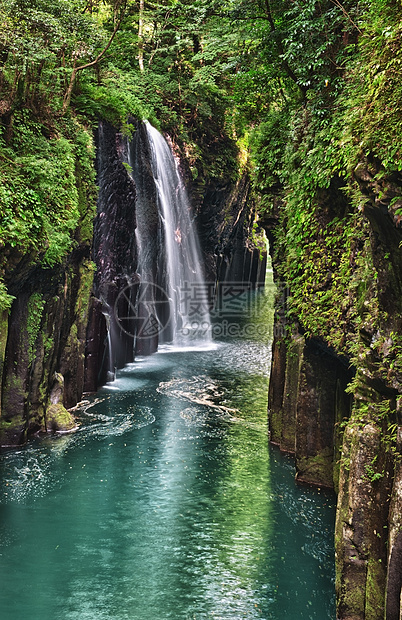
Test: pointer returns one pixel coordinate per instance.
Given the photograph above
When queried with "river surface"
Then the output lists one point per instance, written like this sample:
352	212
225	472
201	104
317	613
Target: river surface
167	502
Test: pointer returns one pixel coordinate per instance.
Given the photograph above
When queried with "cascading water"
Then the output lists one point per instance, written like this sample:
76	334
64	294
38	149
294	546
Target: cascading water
173	296
149	281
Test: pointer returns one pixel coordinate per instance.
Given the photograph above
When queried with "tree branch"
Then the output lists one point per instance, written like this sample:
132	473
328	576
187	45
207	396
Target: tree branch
344	11
269	15
69	91
285	63
141	37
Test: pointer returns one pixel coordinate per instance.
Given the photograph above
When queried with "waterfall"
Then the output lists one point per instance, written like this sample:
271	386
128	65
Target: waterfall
189	319
172	297
149	287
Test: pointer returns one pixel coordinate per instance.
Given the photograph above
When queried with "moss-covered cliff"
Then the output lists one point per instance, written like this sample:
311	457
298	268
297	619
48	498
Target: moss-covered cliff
48	197
311	91
336	382
65	66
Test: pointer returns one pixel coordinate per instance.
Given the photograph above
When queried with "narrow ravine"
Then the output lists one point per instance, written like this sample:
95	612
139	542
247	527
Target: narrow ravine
168	502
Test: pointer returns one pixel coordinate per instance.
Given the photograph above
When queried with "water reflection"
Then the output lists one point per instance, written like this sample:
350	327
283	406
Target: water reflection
166	503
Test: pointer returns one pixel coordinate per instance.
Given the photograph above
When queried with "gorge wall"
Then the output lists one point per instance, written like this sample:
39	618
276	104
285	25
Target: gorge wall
54	338
224	217
336	383
46	271
43	346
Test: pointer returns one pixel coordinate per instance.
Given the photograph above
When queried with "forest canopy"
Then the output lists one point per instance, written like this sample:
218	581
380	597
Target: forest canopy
302	87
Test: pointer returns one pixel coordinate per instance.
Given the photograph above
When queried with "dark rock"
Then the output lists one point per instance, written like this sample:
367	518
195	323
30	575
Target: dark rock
46	334
346	437
321	375
364	490
115	256
225	224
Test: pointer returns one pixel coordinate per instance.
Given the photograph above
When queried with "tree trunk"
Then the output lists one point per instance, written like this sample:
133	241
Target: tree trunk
141	37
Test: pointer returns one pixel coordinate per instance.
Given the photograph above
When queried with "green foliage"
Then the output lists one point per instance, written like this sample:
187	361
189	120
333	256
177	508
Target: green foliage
108	102
40	202
6	300
36	305
85	182
305	154
267	147
372	97
39	42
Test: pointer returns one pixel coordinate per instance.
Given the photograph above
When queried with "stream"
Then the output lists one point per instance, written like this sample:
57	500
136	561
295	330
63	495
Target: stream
168	501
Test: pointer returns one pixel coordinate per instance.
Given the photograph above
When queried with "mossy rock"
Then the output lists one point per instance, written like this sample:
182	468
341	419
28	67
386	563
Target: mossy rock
317	469
58	419
12	431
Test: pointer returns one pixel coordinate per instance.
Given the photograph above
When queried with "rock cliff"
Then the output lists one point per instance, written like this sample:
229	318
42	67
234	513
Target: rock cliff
335	390
54	339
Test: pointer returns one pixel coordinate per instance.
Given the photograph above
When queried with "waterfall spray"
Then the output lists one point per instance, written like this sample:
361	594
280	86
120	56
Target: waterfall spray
172	297
189	319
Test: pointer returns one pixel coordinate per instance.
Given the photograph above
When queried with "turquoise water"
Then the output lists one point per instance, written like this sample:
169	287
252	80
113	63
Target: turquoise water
167	502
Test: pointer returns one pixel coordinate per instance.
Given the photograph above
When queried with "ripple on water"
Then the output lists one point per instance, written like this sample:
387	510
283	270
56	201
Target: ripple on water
27	474
202	391
33	472
247	358
194	416
126	418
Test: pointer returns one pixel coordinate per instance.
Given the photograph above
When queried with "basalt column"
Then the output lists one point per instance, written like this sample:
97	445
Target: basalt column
115	256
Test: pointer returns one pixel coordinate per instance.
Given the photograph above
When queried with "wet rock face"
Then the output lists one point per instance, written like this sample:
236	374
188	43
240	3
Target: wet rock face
394	568
45	334
322	404
96	346
361	533
58	419
354	438
149	231
225	225
114	239
306	401
15	375
115	256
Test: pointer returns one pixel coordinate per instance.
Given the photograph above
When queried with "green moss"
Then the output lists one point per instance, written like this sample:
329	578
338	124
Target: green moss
291	391
85	182
47	187
3	341
48	345
6	300
12	431
258	238
316	469
58	418
13	391
275	425
354	598
36	305
86	275
76	337
73	332
12	423
375	588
